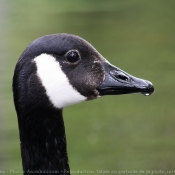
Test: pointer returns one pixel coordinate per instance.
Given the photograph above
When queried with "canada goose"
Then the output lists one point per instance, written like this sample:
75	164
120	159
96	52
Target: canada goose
53	72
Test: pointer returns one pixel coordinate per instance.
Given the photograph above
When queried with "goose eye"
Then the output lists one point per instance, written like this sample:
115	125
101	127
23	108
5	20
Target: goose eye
72	56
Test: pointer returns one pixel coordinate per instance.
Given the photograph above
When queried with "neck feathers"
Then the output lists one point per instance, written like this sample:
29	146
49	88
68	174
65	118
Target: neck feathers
41	126
43	143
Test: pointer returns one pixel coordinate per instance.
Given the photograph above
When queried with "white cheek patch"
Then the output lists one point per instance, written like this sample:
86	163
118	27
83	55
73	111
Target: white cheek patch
57	86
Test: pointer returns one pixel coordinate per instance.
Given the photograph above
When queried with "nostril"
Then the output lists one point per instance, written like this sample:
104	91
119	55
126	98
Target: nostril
122	77
119	75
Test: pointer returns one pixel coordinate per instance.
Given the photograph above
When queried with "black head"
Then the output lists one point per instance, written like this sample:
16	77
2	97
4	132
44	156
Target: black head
38	80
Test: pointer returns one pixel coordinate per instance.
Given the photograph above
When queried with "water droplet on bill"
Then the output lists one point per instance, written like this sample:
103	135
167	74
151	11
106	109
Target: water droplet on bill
146	93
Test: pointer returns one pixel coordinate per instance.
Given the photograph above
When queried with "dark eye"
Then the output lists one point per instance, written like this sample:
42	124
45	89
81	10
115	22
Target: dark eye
72	56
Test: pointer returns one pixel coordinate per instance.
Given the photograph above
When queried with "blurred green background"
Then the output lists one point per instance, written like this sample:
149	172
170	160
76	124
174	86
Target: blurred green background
127	132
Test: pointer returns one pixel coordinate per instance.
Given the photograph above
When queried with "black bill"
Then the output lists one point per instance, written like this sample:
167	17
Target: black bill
119	82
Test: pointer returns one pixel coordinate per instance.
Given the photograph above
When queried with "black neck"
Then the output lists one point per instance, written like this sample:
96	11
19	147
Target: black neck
43	142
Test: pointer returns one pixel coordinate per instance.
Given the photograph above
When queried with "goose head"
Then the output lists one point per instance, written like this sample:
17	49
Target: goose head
66	70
